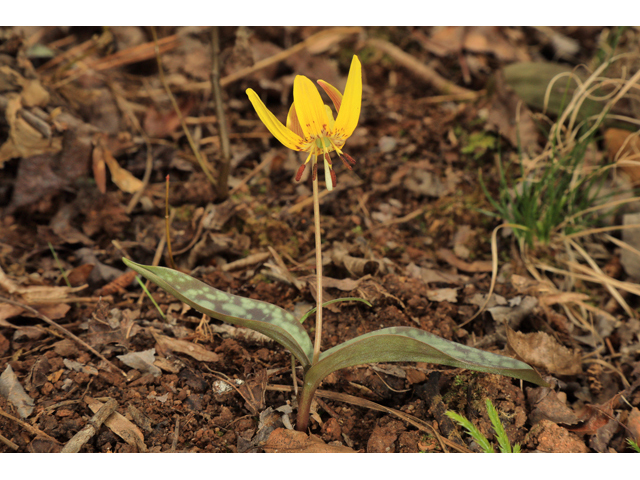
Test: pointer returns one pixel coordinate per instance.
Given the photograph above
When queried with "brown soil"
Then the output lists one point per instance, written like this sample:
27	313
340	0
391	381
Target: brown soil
410	206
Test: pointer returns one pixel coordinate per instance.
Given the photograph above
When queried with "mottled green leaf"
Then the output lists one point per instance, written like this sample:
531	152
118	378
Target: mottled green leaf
406	344
263	317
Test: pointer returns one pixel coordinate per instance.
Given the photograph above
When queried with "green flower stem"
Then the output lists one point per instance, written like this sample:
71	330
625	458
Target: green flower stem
309	388
304	405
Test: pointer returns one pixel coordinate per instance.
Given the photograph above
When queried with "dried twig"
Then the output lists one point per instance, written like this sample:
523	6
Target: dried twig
251	174
246	261
91	428
206	168
123	104
420	69
8	442
223	175
64	331
31	429
167	225
176	433
314	39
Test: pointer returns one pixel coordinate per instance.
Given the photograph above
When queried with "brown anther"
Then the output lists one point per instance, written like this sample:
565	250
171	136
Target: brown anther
349	158
334	179
327	157
345	163
315	172
300	172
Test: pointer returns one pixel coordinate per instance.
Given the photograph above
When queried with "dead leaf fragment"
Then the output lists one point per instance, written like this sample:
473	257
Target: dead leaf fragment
79	275
121	177
549	406
24	140
120	426
31	90
5	345
541	350
430	275
470	267
443	295
182	346
519	308
79	367
282	440
633	423
12	390
623	148
628	259
8	311
594	417
142	361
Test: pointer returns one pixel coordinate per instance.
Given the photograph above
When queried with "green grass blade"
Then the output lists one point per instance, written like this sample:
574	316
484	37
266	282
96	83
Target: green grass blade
501	435
472	430
59	264
146	291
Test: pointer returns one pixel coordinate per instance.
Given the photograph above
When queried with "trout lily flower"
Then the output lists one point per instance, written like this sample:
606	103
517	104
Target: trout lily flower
311	126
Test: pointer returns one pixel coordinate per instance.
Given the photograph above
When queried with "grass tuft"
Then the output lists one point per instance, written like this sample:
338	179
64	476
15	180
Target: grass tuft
481	440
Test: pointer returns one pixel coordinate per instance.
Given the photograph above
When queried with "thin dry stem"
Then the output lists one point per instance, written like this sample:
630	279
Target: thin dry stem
591	276
64	331
194	148
167	225
123	105
614	293
316	218
494	267
223	175
593	231
418	68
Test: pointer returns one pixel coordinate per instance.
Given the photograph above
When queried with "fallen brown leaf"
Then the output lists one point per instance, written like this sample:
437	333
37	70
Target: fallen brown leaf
542	350
623	148
594	417
161	124
563	297
31	90
282	440
8	311
121	177
24	140
12	390
182	346
443	295
78	276
633	423
470	267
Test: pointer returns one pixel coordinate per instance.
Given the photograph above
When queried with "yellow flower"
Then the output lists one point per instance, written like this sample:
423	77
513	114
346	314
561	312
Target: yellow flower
310	124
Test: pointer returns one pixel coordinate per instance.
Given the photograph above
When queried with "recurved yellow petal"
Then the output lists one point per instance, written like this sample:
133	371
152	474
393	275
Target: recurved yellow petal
333	92
287	137
309	107
351	101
